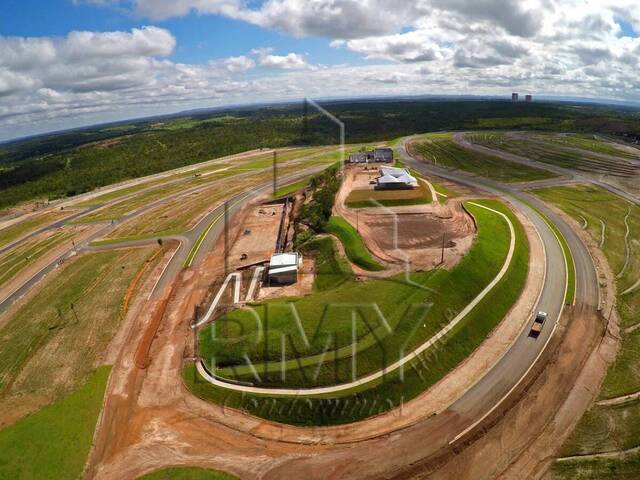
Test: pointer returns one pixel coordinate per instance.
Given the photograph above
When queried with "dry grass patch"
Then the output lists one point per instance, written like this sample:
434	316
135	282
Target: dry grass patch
53	341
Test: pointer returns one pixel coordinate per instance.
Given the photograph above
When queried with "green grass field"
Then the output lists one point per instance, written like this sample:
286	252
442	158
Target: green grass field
415	311
353	244
389	198
588	142
597	207
511	122
440	149
285	190
188	473
332	270
53	443
608	428
544	149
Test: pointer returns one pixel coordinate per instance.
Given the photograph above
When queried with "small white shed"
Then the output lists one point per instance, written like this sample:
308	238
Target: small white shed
283	268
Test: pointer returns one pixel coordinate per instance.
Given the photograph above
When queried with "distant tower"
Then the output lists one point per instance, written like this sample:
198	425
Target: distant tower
528	98
514	97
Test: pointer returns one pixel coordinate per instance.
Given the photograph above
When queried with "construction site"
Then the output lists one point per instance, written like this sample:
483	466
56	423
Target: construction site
294	334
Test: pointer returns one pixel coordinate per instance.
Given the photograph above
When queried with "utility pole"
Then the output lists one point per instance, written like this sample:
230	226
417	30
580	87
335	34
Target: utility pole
226	238
275	172
196	316
305	121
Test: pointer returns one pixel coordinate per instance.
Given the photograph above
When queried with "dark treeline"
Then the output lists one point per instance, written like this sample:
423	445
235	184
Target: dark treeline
70	163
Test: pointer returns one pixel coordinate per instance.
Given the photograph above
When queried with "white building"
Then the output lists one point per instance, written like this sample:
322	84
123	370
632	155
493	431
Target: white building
283	268
391	177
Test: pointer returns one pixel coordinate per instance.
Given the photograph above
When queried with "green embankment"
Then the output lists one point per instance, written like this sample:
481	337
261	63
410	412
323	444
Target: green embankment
353	244
331	269
441	149
291	188
414	310
188	473
54	442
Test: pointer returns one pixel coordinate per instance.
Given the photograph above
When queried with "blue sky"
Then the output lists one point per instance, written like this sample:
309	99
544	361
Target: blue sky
68	63
200	37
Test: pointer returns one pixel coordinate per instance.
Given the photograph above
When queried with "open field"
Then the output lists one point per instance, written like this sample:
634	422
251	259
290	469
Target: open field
354	246
20	229
623	468
54	339
405	308
181	213
440	149
544	149
614	224
607	216
27	253
364	198
202	177
53	443
606	429
589	142
188	473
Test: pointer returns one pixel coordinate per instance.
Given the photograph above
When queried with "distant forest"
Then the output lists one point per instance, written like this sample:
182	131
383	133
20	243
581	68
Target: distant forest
70	163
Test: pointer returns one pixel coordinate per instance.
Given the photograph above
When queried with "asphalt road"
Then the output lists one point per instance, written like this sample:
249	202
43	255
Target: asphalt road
490	390
187	240
495	386
574	175
51	226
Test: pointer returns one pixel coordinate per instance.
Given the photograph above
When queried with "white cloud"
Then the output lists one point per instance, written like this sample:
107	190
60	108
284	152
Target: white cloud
559	47
239	64
291	61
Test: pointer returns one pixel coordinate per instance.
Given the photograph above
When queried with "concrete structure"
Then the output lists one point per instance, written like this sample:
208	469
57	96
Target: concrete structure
528	98
383	155
395	178
359	158
378	155
283	268
514	97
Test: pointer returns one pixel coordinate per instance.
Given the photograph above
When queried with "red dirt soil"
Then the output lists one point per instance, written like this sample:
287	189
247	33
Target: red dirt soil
151	421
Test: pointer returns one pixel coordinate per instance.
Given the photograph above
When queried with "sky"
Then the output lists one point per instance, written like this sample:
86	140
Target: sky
70	63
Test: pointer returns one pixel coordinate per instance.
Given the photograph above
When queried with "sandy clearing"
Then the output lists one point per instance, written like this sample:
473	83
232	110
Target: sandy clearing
410	234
